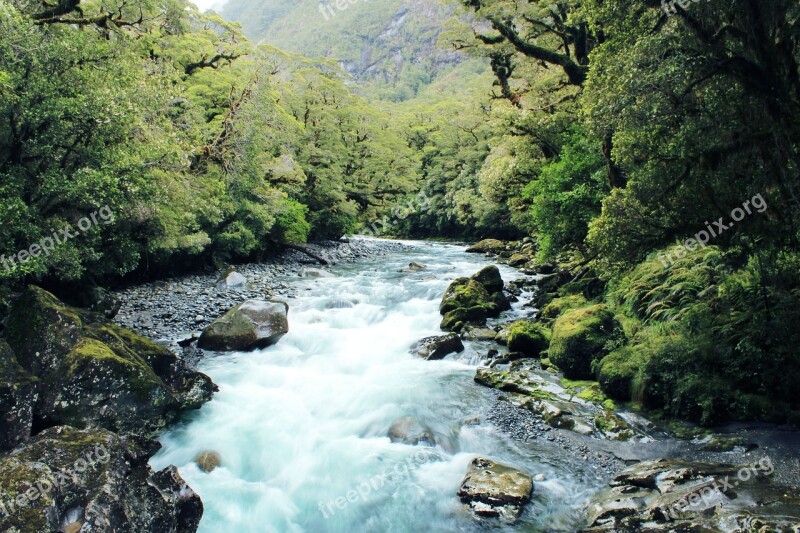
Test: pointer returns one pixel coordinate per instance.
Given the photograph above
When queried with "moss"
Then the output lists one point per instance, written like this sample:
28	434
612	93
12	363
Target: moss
465	293
136	375
618	371
559	306
132	346
487	245
528	338
490	278
581	336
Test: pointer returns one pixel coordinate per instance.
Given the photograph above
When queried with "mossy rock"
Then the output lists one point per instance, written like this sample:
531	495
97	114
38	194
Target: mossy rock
493	246
559	306
490	278
517	260
619	370
465	293
580	337
248	326
529	338
91	373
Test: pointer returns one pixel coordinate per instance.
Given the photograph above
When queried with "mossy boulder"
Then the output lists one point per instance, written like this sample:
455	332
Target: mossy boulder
528	338
492	246
618	371
470	301
66	479
559	306
91	373
517	260
249	326
580	337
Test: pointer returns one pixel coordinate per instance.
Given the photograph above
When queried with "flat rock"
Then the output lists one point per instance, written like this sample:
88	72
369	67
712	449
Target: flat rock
495	490
433	348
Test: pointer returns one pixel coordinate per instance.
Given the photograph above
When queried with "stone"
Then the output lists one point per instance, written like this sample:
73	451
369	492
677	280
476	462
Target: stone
231	280
434	348
208	461
495	490
407	430
468	301
478	334
308	272
580	337
249	326
491	246
517	260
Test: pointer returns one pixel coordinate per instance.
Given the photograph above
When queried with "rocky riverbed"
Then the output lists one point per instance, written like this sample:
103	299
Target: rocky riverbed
173	309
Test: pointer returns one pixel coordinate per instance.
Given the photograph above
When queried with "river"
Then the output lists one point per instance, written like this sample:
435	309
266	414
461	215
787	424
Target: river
302	426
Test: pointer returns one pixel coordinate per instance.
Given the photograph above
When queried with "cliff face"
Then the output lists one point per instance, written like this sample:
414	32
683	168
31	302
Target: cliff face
391	45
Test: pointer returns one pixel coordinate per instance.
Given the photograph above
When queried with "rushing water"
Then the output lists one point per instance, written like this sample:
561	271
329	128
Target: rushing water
302	426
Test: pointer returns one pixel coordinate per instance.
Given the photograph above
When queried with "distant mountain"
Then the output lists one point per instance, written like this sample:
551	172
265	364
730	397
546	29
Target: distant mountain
389	46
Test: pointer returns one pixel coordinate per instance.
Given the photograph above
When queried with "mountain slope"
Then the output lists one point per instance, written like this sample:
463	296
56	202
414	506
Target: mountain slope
390	47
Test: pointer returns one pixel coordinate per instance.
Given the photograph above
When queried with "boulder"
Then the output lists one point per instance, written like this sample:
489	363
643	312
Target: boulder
470	301
529	338
208	461
416	267
66	479
580	337
407	430
494	490
231	280
478	334
491	246
248	326
90	373
433	348
308	272
517	260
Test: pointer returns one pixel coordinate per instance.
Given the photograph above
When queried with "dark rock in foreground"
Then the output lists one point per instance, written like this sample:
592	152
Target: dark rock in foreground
433	348
93	480
248	326
495	490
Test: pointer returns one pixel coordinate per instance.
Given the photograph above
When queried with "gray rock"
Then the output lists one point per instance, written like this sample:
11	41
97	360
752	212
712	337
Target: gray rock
231	280
433	348
494	490
248	326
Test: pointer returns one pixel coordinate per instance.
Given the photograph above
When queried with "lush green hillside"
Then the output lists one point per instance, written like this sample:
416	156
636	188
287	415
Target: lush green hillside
390	47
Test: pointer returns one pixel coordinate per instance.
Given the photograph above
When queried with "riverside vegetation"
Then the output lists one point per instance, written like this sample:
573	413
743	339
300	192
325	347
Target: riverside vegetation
596	136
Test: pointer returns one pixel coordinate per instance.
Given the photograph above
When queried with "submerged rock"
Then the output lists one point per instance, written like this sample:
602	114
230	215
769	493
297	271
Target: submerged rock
248	326
407	430
76	369
495	490
309	272
66	479
433	348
